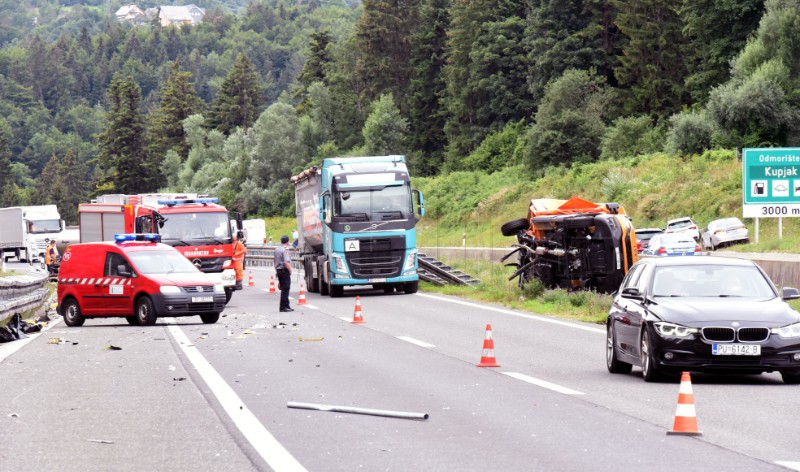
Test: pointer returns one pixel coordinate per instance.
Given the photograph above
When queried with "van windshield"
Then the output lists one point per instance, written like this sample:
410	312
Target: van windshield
161	262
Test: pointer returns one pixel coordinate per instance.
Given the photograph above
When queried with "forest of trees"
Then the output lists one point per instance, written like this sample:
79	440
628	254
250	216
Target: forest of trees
234	106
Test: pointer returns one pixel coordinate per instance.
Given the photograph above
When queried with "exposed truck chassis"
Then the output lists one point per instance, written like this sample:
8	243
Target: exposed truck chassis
572	244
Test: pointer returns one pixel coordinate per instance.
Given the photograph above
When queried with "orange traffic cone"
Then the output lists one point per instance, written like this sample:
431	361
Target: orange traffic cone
357	319
487	358
685	416
251	282
302	299
272	284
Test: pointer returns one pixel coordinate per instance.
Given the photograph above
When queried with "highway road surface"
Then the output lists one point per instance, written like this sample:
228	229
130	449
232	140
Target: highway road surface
182	395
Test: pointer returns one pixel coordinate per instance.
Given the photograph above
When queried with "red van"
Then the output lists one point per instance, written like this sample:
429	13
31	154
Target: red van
137	278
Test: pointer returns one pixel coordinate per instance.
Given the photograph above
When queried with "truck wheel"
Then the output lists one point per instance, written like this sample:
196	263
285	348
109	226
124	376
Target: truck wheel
336	291
209	318
145	313
323	286
132	320
228	294
72	313
513	227
411	287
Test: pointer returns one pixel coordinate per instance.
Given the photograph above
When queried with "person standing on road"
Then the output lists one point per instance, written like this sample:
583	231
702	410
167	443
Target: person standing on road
239	251
295	237
283	267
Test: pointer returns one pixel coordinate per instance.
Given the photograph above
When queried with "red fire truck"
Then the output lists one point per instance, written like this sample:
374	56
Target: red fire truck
198	227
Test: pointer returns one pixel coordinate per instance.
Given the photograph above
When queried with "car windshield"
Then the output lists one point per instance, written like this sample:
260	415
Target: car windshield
390	199
206	226
646	235
161	262
44	226
680	224
711	281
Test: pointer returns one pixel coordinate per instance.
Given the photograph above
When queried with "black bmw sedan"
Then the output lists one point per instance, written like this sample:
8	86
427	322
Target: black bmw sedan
702	314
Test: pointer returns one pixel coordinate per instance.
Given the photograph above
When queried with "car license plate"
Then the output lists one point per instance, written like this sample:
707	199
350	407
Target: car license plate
202	299
736	349
376	281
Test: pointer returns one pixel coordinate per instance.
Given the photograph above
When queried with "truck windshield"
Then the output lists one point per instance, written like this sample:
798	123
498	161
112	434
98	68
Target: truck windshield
209	227
161	262
44	226
373	202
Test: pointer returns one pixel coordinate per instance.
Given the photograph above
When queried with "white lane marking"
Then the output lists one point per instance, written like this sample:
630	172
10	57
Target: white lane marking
262	440
543	383
789	464
513	313
414	341
346	319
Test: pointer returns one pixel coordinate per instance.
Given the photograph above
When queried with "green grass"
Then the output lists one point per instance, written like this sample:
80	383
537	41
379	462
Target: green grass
495	288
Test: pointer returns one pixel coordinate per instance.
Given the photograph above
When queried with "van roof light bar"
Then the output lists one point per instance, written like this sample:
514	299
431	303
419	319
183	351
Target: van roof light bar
188	201
130	237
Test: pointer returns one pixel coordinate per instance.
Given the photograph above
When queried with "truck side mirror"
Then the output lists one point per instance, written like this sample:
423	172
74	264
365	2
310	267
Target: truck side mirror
324	215
419	201
63	225
122	271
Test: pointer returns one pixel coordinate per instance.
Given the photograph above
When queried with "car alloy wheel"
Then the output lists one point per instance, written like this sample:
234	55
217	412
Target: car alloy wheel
614	365
650	372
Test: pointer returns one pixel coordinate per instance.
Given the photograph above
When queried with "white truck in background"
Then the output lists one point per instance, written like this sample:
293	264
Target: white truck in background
27	230
255	232
14	239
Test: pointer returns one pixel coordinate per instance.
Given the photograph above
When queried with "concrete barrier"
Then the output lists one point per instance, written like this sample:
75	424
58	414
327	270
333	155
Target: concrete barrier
21	293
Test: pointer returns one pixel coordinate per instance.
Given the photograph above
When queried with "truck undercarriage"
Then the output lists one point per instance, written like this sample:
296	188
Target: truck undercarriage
573	244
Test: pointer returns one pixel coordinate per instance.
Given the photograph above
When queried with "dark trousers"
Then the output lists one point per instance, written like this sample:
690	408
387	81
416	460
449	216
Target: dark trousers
284	282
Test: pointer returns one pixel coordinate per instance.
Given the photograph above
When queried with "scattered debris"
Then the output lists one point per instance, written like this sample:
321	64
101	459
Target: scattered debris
112	348
55	340
13	415
179	379
172	367
310	339
360	411
101	441
247	331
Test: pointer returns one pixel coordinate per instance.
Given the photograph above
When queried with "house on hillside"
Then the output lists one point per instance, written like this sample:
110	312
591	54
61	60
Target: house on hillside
169	15
131	14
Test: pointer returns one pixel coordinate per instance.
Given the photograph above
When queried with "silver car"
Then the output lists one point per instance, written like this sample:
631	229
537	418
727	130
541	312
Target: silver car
724	232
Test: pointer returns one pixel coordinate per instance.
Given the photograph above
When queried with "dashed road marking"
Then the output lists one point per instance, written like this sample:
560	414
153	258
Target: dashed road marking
543	383
415	341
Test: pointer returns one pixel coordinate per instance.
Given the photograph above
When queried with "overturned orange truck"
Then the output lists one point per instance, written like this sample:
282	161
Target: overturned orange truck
573	244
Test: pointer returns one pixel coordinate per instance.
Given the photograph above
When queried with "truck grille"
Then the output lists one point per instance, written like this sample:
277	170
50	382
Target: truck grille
196	289
377	258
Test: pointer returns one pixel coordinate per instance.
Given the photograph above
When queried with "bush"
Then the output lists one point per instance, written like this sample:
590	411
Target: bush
631	136
689	133
498	150
534	288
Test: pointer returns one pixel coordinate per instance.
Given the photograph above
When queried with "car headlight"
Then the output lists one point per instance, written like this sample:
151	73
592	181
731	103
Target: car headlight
170	289
788	331
411	259
338	262
227	264
674	330
219	288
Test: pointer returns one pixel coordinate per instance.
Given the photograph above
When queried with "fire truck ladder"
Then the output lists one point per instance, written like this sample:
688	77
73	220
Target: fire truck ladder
431	270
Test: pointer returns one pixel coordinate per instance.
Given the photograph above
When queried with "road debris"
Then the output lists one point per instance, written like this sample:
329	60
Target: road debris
101	441
310	339
112	348
360	411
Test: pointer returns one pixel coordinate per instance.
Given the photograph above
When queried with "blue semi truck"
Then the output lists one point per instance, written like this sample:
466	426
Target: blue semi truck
356	218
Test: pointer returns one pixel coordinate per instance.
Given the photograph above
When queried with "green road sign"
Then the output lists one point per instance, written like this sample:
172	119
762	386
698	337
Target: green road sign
771	182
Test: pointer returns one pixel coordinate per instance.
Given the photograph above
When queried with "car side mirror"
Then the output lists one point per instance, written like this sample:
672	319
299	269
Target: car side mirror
632	292
790	293
122	271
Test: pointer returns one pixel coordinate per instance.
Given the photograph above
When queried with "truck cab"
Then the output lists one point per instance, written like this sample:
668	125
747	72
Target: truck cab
357	221
136	278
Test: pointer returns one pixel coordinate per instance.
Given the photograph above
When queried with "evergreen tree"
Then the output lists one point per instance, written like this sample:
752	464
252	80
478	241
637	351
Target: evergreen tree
122	159
72	184
178	101
317	60
427	87
486	73
239	100
383	38
46	185
7	186
716	31
652	68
